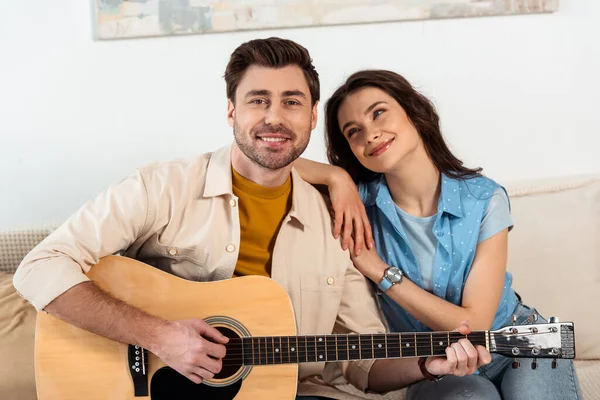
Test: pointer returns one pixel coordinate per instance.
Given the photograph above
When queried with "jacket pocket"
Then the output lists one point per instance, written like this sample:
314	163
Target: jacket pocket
185	262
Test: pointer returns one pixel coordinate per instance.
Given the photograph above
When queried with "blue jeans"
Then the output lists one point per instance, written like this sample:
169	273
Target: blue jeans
498	380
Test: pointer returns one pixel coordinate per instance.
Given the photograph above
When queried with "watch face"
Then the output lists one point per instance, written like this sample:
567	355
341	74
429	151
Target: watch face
393	274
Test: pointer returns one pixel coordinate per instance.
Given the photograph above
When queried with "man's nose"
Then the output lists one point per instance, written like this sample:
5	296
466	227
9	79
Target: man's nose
274	115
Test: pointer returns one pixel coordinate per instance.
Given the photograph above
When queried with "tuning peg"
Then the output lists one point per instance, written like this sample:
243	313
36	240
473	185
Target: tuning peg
532	318
534	363
554	364
553	320
516	364
514	319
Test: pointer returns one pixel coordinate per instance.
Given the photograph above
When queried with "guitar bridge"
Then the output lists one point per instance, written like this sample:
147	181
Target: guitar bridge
137	359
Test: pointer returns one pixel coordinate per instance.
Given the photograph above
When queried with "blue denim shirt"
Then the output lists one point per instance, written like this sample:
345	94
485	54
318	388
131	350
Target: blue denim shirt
461	208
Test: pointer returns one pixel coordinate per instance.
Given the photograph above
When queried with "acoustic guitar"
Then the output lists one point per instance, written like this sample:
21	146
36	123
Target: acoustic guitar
262	355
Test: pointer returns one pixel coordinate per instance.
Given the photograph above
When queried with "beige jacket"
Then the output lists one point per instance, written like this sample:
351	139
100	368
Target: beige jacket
182	217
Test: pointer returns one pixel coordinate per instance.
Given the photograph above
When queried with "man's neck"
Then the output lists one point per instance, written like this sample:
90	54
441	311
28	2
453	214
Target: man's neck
256	173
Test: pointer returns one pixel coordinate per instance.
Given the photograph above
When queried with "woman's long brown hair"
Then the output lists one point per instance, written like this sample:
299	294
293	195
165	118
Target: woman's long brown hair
420	111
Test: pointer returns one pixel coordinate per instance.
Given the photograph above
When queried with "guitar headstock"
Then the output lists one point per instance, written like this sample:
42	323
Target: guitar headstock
539	340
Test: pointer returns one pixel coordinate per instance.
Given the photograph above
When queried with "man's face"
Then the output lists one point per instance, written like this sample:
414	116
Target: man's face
272	116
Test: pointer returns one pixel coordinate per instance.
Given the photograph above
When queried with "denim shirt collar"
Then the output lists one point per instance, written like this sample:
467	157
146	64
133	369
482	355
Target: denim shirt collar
449	203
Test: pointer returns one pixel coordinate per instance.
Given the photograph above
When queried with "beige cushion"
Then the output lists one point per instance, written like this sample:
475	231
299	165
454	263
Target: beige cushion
14	245
17	331
554	253
588	373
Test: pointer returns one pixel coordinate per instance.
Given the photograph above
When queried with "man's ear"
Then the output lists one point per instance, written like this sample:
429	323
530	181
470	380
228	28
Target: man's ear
314	116
230	112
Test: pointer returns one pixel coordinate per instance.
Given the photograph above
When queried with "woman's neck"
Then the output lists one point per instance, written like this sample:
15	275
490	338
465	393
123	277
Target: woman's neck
415	185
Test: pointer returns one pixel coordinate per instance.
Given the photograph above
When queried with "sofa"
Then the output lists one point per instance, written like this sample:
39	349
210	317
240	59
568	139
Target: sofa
554	256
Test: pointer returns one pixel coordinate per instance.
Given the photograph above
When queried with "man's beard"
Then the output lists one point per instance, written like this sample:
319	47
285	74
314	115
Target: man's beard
272	159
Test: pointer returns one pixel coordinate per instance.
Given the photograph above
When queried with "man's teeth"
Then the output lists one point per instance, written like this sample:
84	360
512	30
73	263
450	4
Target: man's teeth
268	139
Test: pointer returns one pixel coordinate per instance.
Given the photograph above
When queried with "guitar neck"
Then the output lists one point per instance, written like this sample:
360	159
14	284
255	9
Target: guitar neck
302	349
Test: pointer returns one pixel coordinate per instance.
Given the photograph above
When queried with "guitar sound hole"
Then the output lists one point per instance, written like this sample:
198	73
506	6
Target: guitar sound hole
168	384
233	357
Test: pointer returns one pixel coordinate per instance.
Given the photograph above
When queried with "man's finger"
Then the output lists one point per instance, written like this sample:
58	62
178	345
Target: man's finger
472	354
484	356
462	359
202	373
214	335
214	350
197	379
451	359
212	365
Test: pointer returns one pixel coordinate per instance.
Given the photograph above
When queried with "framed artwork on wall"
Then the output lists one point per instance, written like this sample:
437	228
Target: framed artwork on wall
119	19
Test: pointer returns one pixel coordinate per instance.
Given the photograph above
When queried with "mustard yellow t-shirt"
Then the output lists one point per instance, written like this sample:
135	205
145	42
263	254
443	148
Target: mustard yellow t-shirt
262	210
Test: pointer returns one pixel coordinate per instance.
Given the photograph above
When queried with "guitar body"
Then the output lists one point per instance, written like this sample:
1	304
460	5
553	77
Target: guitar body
71	363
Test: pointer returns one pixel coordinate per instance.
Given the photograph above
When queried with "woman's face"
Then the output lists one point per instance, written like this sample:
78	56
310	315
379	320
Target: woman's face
378	130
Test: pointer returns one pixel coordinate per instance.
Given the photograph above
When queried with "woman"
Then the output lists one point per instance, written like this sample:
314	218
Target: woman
440	231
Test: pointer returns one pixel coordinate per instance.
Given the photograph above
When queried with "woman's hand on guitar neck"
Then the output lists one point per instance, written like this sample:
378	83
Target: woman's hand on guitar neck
191	347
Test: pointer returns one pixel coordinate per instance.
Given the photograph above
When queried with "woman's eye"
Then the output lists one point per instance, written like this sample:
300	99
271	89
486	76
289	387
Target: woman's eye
352	132
377	113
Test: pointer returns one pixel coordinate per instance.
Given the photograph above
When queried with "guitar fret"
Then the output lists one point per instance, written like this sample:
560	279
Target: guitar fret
393	348
278	351
285	350
255	351
380	349
342	347
248	358
264	358
386	346
416	348
353	347
408	348
366	346
331	347
295	351
311	348
321	350
267	353
431	342
439	344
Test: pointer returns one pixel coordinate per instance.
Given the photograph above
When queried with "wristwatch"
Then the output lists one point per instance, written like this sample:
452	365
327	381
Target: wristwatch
391	276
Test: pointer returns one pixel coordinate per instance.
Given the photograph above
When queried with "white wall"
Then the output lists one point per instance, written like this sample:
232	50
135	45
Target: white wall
517	95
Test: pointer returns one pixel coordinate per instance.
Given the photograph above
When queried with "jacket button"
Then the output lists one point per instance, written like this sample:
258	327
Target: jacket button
173	251
230	248
232	202
439	233
330	281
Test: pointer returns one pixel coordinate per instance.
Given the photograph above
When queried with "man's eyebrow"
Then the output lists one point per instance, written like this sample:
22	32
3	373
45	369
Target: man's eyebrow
294	93
368	110
262	92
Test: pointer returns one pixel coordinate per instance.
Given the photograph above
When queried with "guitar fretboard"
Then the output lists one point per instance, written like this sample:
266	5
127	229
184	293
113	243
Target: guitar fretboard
301	349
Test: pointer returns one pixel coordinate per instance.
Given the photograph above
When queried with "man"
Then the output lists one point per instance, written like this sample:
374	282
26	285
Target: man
238	211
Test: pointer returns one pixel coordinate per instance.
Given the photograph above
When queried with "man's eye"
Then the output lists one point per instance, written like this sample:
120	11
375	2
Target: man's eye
292	103
257	101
